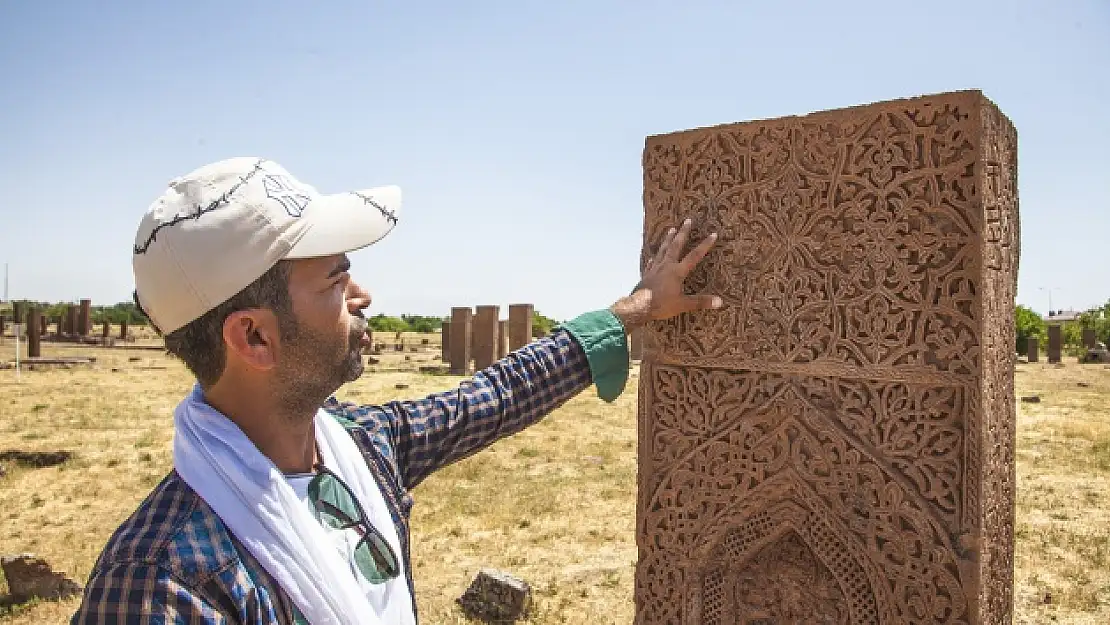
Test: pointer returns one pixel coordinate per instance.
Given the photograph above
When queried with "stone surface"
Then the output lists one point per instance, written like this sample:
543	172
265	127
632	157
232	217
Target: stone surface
460	340
123	329
496	597
34	333
30	577
1055	342
502	338
636	345
1090	338
486	331
836	444
85	318
72	320
520	325
445	341
1032	349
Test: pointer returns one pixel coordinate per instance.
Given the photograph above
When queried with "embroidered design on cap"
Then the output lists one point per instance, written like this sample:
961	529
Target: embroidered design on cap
213	205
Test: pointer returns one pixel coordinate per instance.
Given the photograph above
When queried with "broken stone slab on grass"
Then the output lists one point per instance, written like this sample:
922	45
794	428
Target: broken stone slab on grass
496	597
35	459
30	577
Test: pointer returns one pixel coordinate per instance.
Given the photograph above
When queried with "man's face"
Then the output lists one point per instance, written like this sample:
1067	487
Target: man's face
326	350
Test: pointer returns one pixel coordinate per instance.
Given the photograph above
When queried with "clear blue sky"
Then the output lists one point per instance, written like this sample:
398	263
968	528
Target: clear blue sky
515	128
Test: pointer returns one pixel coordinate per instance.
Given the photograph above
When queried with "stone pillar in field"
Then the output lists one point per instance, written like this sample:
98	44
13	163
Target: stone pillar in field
486	332
43	325
105	329
123	330
73	321
502	338
445	341
837	442
34	333
19	312
1055	343
460	340
1089	338
520	325
86	319
1032	349
3	321
59	326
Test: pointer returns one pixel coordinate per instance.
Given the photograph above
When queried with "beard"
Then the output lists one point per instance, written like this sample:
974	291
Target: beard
314	365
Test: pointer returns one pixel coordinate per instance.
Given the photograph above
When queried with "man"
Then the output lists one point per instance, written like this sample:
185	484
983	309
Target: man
286	505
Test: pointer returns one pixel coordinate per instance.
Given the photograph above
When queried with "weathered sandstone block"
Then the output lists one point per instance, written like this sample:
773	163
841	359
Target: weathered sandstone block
836	444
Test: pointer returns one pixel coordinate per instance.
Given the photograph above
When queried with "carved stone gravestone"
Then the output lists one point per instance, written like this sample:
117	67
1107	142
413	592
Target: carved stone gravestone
460	340
486	332
520	325
636	345
1055	343
84	325
502	338
836	444
445	341
1032	349
34	333
1090	338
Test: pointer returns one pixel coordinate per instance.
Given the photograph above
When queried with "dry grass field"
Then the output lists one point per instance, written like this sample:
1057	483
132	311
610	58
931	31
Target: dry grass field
554	504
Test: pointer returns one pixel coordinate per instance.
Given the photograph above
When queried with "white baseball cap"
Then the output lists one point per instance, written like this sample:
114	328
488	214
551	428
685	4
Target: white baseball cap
219	228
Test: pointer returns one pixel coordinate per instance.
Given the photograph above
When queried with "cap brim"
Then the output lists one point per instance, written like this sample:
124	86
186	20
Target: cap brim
347	221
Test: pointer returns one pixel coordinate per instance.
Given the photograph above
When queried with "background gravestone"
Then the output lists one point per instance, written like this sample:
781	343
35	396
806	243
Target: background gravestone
486	331
1090	338
84	325
445	341
836	444
520	325
502	338
460	340
1055	343
1032	349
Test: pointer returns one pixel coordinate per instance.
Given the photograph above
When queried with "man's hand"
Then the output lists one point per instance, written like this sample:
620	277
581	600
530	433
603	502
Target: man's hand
660	295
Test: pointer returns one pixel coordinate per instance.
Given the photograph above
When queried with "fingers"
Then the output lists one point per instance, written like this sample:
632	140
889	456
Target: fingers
664	246
703	302
697	254
679	240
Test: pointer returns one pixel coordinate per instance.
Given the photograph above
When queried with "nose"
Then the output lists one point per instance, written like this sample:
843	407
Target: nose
358	298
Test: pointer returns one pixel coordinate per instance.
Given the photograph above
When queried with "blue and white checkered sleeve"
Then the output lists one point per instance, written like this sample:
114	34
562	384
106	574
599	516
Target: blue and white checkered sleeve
504	398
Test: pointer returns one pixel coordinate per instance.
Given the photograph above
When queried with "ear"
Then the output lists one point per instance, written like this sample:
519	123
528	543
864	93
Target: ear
250	337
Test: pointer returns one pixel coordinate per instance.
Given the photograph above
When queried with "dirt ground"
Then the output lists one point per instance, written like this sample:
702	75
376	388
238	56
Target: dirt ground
554	505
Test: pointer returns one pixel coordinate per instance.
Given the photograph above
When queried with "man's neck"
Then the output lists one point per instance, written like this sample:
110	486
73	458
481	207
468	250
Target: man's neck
282	433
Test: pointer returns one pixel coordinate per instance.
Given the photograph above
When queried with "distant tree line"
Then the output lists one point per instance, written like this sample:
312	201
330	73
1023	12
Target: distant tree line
541	325
1030	324
114	314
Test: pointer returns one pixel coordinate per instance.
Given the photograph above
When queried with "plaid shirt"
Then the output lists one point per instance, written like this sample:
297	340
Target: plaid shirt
174	561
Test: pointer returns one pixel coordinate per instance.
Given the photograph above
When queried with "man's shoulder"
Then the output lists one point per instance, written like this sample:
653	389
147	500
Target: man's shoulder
173	529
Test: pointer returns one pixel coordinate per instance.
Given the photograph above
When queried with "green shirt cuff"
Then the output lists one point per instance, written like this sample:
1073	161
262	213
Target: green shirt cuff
601	334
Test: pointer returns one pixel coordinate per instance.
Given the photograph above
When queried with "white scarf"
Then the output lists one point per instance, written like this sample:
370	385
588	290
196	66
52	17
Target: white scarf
252	497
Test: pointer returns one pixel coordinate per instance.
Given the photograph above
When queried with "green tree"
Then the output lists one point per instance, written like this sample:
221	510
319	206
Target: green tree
383	323
541	325
1028	325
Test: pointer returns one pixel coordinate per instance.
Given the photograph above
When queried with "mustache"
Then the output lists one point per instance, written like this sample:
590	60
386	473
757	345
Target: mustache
359	326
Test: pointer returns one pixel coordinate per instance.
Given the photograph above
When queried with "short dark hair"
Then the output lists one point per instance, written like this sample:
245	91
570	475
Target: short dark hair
200	343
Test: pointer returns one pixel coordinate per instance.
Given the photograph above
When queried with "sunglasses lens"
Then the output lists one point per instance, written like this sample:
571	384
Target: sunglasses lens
333	502
337	508
375	559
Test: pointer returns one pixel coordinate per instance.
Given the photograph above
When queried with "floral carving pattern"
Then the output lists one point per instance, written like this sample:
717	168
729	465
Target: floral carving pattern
816	451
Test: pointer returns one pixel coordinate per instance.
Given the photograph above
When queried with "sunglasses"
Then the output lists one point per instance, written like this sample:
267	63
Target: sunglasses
336	506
